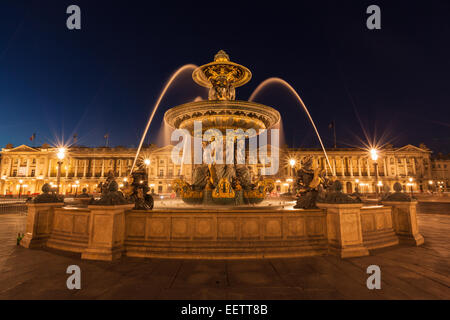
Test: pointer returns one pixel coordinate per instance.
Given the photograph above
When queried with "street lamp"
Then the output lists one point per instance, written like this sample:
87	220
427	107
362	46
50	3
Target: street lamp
76	190
147	164
356	185
410	186
374	156
20	187
61	154
292	163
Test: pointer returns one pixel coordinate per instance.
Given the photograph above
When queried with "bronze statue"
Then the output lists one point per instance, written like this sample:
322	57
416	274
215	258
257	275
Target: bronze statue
398	195
110	192
84	194
47	197
136	190
308	184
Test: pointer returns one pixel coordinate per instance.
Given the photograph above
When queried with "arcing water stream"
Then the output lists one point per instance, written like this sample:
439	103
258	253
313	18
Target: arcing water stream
155	107
269	81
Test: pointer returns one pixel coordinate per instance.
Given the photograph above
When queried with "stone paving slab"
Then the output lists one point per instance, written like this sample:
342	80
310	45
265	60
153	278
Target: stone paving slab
407	273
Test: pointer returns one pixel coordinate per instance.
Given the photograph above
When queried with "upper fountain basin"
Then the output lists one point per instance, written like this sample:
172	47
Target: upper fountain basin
222	115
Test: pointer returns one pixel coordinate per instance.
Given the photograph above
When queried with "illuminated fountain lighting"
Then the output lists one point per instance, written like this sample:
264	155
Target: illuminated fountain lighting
221	112
270	81
158	102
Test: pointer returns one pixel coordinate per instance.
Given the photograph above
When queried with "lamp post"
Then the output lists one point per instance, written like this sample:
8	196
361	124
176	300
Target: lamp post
20	187
357	185
410	186
374	156
292	163
61	154
77	183
430	186
147	165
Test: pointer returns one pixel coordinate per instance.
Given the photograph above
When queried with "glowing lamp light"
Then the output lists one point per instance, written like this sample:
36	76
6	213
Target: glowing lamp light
125	179
278	181
61	153
410	179
374	154
147	162
20	181
357	180
430	182
292	162
77	182
380	183
289	180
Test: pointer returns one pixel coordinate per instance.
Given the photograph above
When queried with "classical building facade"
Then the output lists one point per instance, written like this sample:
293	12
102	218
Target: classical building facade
25	169
440	172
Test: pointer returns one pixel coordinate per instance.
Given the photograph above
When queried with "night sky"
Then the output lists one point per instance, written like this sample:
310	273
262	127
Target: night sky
105	78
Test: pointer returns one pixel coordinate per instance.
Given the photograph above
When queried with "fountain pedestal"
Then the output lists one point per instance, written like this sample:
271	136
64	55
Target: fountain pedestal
405	221
344	229
106	232
39	224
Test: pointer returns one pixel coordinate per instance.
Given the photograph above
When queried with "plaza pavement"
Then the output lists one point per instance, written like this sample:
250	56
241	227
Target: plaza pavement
407	272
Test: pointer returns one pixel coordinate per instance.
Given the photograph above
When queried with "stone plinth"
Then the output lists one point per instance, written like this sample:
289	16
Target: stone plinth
405	221
39	224
106	232
344	229
377	228
70	229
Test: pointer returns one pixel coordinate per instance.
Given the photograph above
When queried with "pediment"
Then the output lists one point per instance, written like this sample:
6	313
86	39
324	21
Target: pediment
23	148
411	148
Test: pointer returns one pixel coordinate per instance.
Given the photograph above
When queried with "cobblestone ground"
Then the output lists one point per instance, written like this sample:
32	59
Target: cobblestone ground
407	272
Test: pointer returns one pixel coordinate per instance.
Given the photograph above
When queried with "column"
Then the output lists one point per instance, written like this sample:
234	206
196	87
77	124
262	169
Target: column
334	164
84	168
343	166
93	167
350	159
414	165
27	174
18	165
396	166
103	168
368	167
75	174
406	166
9	167
359	166
49	167
386	173
120	167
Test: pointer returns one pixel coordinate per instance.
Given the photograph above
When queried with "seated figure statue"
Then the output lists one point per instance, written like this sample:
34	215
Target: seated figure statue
308	184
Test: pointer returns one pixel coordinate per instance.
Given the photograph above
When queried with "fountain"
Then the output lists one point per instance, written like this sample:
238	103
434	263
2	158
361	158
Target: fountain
225	225
217	183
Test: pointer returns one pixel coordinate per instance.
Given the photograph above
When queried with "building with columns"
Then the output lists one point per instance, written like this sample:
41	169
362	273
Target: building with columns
440	172
25	169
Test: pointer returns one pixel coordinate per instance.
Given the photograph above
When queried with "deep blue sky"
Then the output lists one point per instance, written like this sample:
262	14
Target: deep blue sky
107	76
